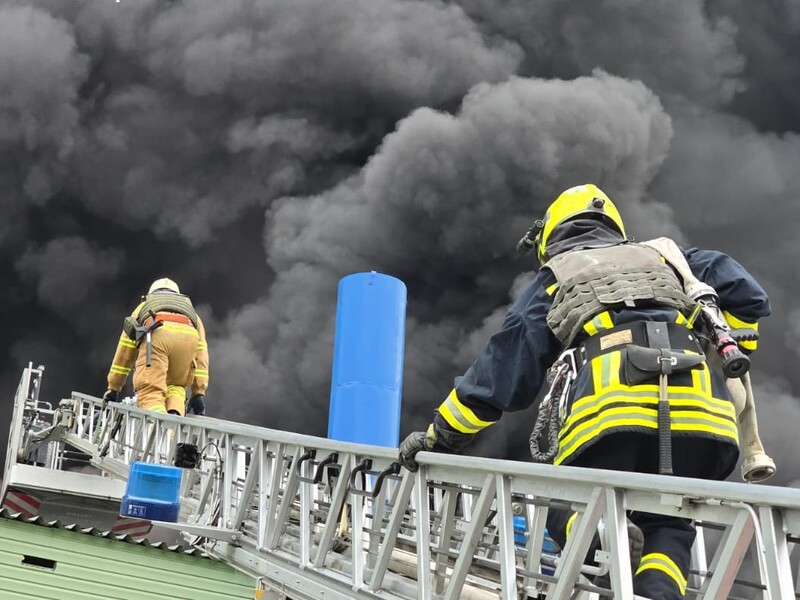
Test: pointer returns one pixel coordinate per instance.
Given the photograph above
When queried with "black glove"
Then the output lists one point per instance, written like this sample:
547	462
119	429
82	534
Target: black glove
110	396
196	404
414	443
435	439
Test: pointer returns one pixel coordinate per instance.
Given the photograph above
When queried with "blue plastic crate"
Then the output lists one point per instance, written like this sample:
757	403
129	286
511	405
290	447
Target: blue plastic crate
152	493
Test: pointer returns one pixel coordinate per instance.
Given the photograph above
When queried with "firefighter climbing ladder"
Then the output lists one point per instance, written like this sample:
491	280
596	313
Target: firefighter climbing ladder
316	518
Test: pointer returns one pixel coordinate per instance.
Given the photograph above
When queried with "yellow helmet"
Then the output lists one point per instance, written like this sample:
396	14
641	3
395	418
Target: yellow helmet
164	284
578	200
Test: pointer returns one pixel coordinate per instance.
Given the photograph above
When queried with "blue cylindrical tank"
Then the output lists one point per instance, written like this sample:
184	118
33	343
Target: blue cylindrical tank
152	493
368	351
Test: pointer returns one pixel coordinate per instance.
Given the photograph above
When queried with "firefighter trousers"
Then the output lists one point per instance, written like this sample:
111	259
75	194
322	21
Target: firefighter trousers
162	386
666	556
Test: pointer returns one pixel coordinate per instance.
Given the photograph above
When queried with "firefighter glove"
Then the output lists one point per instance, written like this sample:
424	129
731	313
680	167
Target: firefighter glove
415	442
110	396
197	405
435	439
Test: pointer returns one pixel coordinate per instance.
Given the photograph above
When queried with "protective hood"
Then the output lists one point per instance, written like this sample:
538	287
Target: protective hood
581	233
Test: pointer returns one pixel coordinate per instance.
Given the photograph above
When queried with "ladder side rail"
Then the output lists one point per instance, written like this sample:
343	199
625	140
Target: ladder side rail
423	538
306	508
269	517
728	558
536	517
488	492
338	506
776	551
583	530
357	531
186	434
15	432
400	502
507	554
575	481
379	512
264	466
699	559
248	489
228	478
711	501
444	538
287	499
619	547
364	534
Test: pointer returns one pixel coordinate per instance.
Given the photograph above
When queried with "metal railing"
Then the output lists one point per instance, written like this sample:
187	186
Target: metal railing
316	518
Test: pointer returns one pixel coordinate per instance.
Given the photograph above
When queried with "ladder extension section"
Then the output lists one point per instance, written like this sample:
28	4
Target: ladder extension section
316	518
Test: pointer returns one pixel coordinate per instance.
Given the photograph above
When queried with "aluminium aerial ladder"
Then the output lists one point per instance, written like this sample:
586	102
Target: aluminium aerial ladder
316	518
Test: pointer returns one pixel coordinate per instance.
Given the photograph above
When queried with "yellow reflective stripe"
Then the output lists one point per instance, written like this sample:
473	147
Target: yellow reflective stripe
605	370
615	361
680	319
127	342
463	419
451	419
640	416
120	370
566	450
721	408
569	433
663	563
201	373
570	521
202	345
605	320
600	322
176	390
688	417
597	376
730	433
646	390
550	289
701	377
737	323
590	328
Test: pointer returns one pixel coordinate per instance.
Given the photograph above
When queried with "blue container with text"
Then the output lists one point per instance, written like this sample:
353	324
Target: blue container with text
152	492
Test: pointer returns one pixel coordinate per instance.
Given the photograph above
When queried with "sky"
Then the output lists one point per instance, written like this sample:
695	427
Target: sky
257	151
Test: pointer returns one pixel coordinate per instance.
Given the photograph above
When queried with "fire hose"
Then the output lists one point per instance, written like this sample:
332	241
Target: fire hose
727	357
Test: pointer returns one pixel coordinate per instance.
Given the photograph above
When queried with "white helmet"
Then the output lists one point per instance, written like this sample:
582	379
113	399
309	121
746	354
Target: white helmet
164	284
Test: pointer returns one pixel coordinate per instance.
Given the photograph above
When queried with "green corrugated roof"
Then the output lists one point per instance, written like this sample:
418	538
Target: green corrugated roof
52	562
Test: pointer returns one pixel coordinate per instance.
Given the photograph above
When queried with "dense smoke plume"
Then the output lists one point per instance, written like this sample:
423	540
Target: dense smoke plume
258	150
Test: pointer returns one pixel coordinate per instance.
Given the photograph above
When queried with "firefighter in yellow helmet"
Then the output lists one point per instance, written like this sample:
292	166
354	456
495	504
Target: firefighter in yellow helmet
178	358
624	312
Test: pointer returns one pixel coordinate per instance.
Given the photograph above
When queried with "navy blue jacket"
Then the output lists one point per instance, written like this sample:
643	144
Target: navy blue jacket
509	373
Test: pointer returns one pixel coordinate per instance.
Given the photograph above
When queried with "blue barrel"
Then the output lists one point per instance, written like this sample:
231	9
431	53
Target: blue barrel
152	492
549	548
368	351
520	531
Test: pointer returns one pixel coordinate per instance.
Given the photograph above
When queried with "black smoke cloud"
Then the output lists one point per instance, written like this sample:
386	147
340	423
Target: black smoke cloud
257	151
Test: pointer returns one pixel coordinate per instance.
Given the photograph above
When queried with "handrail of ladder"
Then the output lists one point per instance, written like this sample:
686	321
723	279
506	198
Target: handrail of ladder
446	531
